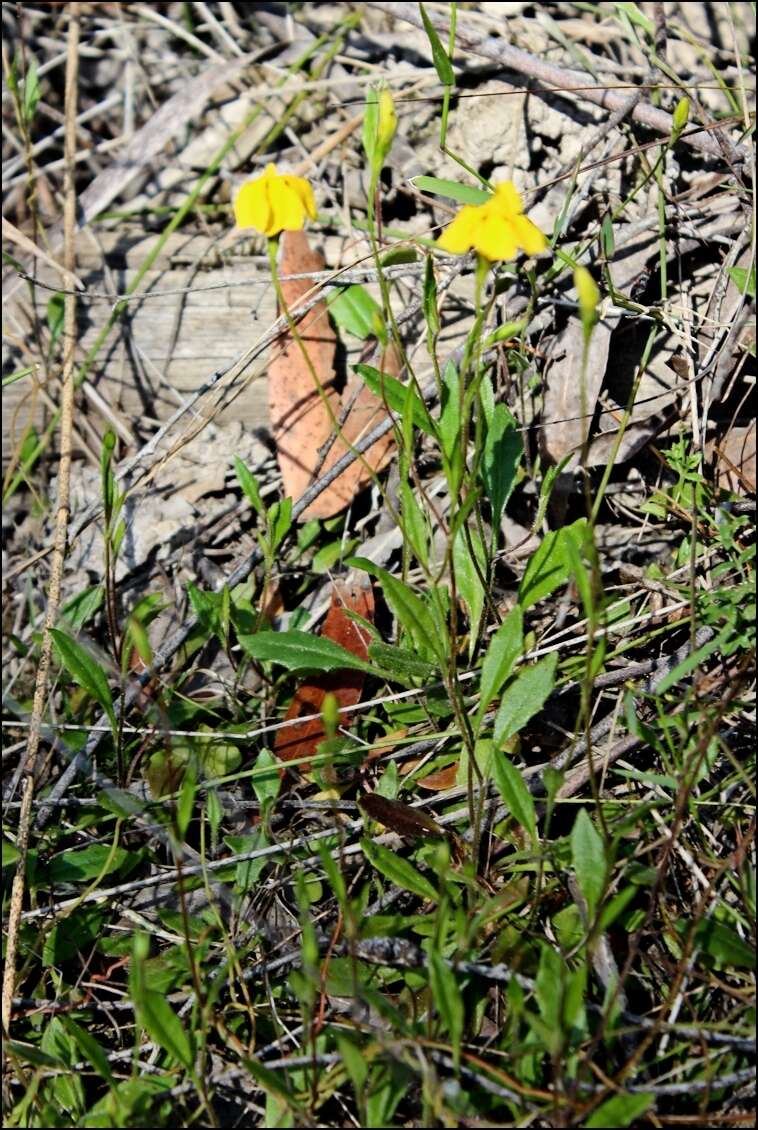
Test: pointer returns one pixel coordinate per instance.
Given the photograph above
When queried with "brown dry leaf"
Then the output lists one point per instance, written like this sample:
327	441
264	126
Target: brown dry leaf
300	422
352	594
736	459
401	818
364	412
441	780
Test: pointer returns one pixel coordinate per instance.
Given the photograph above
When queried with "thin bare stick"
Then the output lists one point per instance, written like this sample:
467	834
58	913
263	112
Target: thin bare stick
61	522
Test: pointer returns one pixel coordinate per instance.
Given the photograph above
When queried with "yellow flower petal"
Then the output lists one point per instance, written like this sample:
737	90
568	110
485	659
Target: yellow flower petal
457	238
528	235
287	208
304	191
507	199
494	238
251	207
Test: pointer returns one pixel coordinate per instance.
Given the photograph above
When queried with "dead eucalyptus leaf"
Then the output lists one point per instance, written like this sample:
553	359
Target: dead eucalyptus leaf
352	594
362	411
300	421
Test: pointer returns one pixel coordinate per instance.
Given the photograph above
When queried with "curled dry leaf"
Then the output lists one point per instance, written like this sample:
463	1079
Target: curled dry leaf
354	595
401	818
300	422
360	411
302	417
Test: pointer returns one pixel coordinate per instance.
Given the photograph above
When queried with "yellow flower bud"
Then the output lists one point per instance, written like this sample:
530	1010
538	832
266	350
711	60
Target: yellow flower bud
679	119
589	298
387	122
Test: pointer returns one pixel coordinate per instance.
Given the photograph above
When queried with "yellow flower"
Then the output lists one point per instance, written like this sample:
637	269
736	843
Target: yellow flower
495	229
272	203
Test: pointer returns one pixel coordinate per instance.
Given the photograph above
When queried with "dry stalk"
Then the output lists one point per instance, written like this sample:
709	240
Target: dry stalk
61	520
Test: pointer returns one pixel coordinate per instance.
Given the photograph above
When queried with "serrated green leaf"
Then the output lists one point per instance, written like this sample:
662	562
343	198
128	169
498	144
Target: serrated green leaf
503	449
524	697
84	670
405	663
468	553
588	860
300	651
398	870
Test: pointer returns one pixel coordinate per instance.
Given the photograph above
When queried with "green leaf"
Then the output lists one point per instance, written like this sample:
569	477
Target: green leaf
468	578
55	312
279	521
447	998
409	609
442	63
619	1110
635	16
431	313
398	870
32	92
84	670
405	664
503	449
354	310
524	697
395	393
10	853
516	795
461	193
77	611
450	412
89	1047
724	944
186	799
249	484
548	990
588	860
163	1025
505	333
549	565
266	779
72	935
504	649
86	863
743	279
300	651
